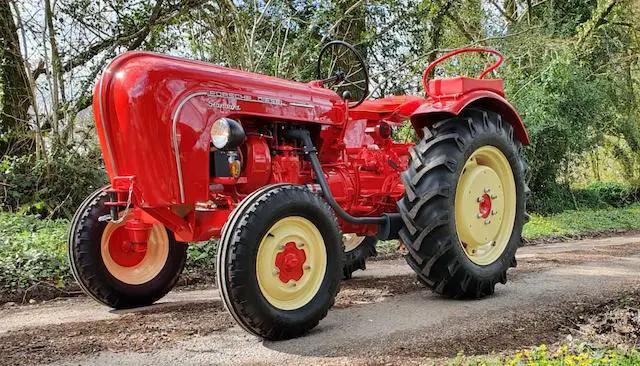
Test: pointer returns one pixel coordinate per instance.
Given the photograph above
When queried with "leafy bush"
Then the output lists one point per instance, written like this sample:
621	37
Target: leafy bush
201	260
53	187
559	198
566	111
32	251
612	194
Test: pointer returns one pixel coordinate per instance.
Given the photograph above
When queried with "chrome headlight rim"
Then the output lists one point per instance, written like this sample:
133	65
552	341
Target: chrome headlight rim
227	134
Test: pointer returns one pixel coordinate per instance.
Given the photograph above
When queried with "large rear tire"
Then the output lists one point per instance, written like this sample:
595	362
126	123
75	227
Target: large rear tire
464	206
113	272
357	250
280	261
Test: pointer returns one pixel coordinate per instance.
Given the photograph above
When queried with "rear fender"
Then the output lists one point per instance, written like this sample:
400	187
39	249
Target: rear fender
437	109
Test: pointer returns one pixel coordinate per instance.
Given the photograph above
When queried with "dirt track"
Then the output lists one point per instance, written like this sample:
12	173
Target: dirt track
381	316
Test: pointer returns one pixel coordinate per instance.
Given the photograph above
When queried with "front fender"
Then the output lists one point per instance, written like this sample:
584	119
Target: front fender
436	109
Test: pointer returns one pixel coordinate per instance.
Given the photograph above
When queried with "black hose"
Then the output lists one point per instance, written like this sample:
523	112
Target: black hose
311	152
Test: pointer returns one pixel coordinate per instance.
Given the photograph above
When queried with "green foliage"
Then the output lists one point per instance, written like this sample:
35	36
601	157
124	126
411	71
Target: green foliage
563	355
405	133
558	198
579	222
53	187
612	194
32	251
566	114
202	256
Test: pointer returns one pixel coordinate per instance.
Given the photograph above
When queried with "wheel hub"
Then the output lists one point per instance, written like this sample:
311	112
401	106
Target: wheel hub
122	251
485	205
130	262
482	205
289	263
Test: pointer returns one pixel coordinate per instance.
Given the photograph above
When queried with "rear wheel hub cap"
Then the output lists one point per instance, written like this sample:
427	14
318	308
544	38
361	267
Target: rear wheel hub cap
485	205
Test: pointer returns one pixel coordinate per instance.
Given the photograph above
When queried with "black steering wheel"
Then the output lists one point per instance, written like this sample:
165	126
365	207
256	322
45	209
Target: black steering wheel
342	69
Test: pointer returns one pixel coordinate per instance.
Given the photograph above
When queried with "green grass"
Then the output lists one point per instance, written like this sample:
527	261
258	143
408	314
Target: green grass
563	355
580	222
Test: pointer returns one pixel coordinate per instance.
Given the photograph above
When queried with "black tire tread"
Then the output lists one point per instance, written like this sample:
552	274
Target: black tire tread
242	218
430	183
356	259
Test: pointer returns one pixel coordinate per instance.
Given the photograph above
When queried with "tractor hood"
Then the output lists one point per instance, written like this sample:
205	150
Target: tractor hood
153	115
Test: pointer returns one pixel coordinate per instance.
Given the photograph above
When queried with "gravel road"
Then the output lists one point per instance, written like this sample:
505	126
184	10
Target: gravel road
382	315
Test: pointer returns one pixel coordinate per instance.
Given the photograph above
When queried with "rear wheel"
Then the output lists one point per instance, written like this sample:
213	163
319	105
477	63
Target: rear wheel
114	271
464	207
279	261
357	249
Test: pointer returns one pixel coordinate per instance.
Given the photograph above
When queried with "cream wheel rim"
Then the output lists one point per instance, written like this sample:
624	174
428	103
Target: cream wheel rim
115	248
485	205
291	263
351	241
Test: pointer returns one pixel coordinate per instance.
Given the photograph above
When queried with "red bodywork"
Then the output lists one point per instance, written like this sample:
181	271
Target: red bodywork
154	114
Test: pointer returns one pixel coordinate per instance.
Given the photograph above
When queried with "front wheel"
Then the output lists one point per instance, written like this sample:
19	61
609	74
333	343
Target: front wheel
280	261
110	269
464	206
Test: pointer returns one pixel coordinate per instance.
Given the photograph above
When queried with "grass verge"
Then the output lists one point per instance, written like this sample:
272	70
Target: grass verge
582	222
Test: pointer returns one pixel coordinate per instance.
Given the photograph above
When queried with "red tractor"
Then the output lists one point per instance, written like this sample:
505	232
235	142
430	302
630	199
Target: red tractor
286	174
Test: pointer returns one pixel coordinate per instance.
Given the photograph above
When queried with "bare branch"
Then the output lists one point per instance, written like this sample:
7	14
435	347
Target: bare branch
503	12
144	32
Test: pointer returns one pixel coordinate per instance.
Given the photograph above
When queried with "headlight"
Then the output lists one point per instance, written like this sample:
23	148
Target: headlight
227	134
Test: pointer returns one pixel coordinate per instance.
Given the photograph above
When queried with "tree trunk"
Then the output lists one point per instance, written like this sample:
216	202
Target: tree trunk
56	74
437	30
15	102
